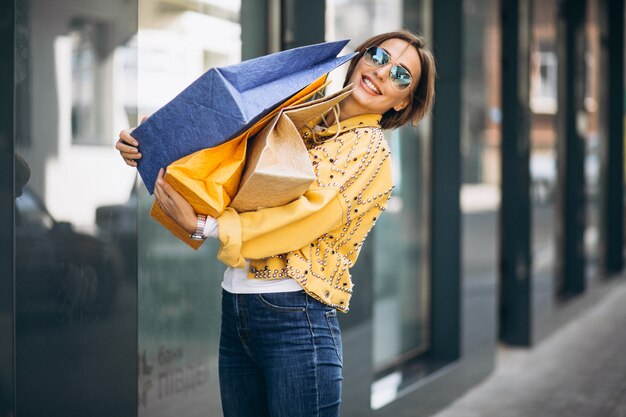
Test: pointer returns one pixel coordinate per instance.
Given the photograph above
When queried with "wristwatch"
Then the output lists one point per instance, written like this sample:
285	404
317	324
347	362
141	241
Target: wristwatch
199	233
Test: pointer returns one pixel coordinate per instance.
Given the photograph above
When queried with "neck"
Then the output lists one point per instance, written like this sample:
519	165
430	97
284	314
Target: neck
347	110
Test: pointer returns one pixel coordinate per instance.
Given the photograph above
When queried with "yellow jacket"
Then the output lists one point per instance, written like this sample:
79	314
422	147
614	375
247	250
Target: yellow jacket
317	238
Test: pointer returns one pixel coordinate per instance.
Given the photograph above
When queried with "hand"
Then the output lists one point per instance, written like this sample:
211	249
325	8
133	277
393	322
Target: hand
174	204
127	145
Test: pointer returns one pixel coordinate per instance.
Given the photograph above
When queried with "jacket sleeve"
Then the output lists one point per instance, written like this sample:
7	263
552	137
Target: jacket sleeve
275	230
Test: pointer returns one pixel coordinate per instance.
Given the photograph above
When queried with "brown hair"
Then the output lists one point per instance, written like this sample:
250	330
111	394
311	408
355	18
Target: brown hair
423	94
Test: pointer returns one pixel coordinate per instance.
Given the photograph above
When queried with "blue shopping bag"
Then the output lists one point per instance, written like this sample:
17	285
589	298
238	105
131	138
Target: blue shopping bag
224	102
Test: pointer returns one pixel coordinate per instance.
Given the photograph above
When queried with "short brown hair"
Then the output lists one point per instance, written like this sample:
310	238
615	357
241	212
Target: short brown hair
423	94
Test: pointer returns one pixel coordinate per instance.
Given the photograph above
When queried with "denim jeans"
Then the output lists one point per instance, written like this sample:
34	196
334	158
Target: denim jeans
280	356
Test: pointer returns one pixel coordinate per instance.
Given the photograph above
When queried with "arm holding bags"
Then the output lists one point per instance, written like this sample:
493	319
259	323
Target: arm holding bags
209	178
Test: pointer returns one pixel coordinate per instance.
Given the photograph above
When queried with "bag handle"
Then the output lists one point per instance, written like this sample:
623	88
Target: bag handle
336	110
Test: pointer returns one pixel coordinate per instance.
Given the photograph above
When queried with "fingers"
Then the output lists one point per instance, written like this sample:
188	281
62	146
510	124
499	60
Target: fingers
161	197
130	158
174	204
165	186
127	146
128	138
123	147
167	193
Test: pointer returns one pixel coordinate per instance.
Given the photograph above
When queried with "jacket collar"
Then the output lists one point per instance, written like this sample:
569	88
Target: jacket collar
364	120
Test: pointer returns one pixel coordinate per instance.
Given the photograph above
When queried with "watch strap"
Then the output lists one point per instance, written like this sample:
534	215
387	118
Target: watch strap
199	233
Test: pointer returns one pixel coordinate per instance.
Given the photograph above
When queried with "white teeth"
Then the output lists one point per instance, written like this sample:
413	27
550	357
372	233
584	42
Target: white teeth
371	85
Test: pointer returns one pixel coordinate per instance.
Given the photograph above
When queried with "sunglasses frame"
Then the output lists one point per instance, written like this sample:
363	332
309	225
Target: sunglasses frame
371	63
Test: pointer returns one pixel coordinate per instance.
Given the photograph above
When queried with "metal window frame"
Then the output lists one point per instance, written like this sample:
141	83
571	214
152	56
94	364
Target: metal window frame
515	224
7	197
613	161
570	149
445	211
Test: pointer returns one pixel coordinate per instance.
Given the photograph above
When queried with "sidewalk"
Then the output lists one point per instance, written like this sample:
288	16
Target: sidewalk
580	371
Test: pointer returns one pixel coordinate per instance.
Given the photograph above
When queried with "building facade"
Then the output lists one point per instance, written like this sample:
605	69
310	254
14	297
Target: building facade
506	219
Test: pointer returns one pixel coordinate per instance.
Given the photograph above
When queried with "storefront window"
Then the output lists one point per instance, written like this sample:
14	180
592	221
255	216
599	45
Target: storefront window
543	154
84	39
593	142
75	221
179	288
401	294
480	146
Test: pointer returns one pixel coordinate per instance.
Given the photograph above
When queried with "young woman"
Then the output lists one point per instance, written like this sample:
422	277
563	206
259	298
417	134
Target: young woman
280	345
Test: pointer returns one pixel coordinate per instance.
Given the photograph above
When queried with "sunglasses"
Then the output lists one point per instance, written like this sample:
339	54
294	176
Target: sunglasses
400	76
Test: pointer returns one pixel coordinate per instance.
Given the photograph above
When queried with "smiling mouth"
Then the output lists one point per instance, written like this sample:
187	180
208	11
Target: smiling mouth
370	85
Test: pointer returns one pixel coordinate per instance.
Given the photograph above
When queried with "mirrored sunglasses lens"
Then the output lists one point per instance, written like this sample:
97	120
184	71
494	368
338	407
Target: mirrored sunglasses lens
377	56
400	76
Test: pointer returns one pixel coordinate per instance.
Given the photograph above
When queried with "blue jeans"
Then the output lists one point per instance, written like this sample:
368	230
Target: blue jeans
280	356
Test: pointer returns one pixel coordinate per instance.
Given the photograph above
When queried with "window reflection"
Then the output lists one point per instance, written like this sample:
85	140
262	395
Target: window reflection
84	38
593	143
60	183
73	286
480	144
30	213
543	96
80	284
543	155
401	294
179	289
401	290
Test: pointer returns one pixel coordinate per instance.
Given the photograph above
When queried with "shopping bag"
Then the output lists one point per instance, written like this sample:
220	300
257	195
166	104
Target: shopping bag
209	178
278	169
225	102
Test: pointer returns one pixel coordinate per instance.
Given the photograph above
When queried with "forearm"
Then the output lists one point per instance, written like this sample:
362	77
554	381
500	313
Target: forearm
276	230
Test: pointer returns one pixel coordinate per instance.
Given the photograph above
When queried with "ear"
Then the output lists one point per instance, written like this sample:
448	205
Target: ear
402	105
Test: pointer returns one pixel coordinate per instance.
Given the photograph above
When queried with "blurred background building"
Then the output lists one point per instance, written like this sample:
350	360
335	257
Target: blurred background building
507	217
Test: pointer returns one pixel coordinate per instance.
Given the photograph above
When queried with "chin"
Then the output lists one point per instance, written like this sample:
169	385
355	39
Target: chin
366	101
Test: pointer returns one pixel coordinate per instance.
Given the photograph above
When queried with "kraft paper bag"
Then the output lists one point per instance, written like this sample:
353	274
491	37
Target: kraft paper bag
225	102
278	169
209	178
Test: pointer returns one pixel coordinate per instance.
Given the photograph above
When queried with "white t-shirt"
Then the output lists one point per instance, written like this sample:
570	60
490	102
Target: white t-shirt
236	280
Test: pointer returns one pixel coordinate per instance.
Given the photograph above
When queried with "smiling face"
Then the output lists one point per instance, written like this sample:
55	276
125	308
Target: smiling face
373	89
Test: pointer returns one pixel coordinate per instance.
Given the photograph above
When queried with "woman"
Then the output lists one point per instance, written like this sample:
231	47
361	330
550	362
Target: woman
280	345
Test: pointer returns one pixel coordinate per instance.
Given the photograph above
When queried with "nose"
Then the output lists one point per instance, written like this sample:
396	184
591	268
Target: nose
382	72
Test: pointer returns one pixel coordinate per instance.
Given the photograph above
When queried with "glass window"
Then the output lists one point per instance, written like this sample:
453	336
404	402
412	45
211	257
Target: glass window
30	212
84	38
543	156
401	284
593	142
179	289
543	97
75	231
480	158
401	294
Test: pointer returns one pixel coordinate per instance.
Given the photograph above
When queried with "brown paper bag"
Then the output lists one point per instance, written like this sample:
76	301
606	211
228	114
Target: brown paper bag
278	169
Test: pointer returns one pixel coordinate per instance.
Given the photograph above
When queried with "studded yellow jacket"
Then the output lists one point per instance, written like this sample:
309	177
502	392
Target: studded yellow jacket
317	238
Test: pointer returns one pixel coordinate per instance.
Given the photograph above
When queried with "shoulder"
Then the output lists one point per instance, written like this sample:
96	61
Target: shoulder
361	136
